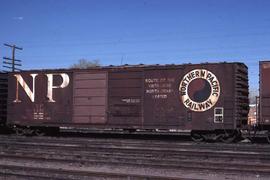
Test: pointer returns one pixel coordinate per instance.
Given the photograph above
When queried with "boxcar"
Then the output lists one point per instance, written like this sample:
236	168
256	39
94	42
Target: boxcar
210	99
264	90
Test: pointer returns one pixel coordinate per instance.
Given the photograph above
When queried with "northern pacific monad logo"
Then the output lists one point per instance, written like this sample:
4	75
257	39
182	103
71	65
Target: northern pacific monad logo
199	90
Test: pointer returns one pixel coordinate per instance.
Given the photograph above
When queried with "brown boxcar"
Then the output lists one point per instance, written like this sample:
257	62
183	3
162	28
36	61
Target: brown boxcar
264	110
202	97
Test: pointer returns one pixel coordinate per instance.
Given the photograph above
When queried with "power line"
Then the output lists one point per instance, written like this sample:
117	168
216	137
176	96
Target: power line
219	49
145	38
12	63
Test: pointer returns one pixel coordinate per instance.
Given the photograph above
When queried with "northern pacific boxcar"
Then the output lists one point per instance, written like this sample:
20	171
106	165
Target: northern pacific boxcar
264	110
210	99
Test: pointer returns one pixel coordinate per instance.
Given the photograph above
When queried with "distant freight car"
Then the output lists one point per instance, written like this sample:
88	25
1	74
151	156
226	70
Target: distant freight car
209	99
264	102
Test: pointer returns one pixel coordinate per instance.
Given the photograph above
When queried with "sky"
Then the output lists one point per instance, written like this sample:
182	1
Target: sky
57	33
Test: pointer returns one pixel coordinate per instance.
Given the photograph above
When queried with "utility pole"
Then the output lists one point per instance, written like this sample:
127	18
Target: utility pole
12	63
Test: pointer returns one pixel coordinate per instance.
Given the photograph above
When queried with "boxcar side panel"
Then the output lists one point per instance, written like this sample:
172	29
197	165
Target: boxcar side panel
161	99
40	97
166	106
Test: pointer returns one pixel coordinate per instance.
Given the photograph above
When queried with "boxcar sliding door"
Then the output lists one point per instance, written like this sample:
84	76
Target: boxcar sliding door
125	98
90	98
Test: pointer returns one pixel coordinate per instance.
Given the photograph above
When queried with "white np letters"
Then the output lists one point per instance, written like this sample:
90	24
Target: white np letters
50	86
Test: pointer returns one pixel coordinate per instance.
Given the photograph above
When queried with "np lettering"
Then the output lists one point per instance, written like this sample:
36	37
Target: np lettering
20	83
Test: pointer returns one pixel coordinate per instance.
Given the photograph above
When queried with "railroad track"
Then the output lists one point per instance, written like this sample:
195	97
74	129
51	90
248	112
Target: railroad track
28	172
99	142
79	158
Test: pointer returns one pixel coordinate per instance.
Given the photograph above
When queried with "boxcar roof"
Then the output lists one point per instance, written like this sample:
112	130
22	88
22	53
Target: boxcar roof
127	66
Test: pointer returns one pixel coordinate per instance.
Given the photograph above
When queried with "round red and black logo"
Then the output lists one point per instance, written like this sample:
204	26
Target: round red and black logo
199	90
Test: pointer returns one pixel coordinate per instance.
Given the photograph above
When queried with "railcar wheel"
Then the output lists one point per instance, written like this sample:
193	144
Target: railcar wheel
229	137
39	132
197	137
211	137
19	131
268	137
